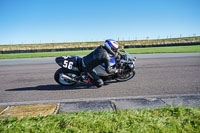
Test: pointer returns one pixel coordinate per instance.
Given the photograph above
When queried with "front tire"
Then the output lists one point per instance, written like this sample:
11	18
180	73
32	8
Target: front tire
62	81
126	77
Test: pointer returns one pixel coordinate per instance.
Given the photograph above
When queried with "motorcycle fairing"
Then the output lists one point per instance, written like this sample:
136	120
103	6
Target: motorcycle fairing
68	62
112	62
100	70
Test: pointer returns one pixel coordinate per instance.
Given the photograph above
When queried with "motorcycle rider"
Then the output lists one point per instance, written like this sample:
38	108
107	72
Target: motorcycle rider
98	56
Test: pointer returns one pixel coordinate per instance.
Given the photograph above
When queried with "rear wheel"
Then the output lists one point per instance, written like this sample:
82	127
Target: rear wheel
60	80
126	76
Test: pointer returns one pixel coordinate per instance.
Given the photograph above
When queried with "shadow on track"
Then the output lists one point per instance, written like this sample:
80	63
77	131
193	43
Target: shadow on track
54	87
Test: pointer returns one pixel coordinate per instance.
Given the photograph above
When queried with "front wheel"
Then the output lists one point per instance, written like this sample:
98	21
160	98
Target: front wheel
126	76
60	80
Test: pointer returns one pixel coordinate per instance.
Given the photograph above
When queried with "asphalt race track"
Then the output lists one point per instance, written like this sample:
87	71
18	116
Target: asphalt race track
159	74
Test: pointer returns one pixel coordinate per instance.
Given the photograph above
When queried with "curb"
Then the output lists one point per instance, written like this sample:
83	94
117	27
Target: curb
43	108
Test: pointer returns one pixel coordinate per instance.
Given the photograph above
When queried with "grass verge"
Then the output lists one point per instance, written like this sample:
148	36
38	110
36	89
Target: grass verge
169	119
174	49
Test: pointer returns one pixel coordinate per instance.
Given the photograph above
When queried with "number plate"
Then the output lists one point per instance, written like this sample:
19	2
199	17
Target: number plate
67	64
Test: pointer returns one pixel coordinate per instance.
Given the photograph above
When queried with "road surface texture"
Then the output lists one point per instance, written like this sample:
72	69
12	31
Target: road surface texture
24	80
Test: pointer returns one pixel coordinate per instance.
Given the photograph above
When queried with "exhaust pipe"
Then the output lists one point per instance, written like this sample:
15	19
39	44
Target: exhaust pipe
68	78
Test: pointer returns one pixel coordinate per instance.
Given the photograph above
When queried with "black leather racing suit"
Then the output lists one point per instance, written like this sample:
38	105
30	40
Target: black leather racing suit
89	62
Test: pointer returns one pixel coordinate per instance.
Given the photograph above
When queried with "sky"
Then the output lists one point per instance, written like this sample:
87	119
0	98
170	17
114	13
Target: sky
50	21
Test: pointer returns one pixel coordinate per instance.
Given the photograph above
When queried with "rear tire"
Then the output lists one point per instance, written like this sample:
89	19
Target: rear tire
62	81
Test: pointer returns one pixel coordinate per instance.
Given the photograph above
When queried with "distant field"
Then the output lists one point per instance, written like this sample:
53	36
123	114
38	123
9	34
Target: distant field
174	49
95	44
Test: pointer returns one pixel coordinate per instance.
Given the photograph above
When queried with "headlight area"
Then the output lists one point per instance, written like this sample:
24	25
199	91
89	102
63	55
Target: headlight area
131	66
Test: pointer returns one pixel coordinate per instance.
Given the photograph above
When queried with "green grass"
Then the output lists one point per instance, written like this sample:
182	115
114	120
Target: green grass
174	49
164	120
43	54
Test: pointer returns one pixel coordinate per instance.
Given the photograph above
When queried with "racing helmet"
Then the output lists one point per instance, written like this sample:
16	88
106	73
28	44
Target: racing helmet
111	46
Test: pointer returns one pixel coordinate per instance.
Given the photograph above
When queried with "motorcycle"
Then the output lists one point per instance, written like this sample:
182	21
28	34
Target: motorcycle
71	73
